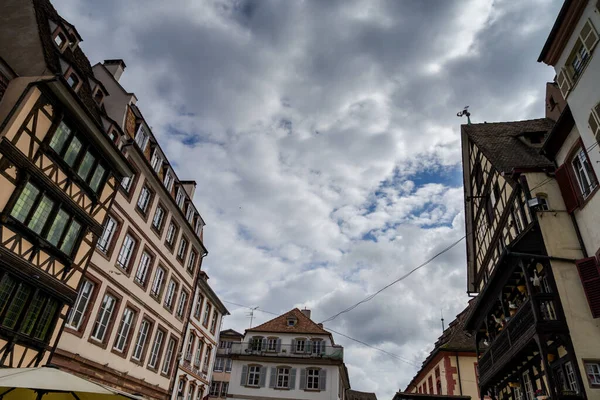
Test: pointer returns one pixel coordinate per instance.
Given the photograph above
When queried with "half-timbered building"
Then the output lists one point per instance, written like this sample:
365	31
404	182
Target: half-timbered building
522	253
59	173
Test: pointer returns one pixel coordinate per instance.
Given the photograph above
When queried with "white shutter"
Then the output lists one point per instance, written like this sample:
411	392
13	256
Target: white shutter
564	82
589	36
594	122
322	379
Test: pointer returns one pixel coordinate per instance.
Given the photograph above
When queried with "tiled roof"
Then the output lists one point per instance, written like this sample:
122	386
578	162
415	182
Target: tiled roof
75	58
502	143
453	339
356	395
231	333
280	325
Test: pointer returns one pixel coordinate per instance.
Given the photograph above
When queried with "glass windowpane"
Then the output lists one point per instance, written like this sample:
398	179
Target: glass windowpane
70	237
41	214
24	203
60	137
72	151
97	178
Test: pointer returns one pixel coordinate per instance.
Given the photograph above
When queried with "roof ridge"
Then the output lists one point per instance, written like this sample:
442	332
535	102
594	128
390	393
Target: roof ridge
279	324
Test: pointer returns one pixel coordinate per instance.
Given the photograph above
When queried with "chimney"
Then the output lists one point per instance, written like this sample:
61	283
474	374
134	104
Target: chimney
115	67
189	187
306	312
320	325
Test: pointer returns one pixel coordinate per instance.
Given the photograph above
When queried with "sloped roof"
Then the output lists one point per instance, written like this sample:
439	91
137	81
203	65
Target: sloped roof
453	339
502	144
231	332
356	395
279	325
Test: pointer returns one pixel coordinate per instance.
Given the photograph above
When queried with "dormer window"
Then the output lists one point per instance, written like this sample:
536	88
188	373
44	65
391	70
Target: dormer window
156	161
98	96
141	138
60	39
190	213
199	224
72	79
291	321
180	198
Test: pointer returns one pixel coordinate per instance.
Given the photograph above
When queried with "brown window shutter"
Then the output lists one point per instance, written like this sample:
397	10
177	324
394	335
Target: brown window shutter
590	279
566	188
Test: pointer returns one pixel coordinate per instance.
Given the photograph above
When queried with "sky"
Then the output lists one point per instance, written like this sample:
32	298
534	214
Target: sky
324	141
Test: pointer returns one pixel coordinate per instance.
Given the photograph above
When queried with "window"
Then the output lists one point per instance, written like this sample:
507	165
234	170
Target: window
190	347
127	182
198	225
141	138
592	370
300	346
72	79
171	289
124	328
110	226
318	347
191	391
272	344
60	39
256	343
312	378
159	216
214	389
179	198
168	357
219	361
41	311
198	356
583	173
182	304
224	389
213	322
283	377
527	386
571	379
156	348
518	393
199	302
291	321
104	317
81	303
98	98
168	181
144	199
157	284
171	234
191	262
253	375
141	275
207	358
189	214
206	315
228	365
127	249
182	248
156	161
34	209
140	343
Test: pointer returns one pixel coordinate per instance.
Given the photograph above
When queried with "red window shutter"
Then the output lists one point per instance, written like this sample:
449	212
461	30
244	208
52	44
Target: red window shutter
590	279
567	189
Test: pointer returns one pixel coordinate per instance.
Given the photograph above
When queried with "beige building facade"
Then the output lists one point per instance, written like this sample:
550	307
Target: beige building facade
219	384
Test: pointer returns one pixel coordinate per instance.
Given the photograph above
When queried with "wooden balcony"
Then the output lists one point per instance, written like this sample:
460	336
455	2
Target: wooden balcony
536	315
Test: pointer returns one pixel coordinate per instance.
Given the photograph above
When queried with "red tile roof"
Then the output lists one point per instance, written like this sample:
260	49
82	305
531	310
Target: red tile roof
280	325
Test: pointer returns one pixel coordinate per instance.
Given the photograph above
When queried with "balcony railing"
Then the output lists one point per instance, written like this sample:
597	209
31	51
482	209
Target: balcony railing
287	350
223	351
517	333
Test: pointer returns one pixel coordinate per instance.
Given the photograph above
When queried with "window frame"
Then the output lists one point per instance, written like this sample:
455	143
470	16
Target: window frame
59	31
281	373
171	246
131	332
172	356
160	349
159	230
158	296
591	362
146	346
111	322
89	307
199	304
70	73
316	377
183	296
126	269
574	152
192	260
132	183
182	257
112	240
149	268
144	213
172	301
206	316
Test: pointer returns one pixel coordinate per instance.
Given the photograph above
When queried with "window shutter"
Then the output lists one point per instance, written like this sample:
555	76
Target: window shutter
293	349
564	82
323	347
263	345
250	342
293	378
278	345
263	376
302	379
308	346
589	36
590	280
273	379
322	379
244	375
567	189
594	122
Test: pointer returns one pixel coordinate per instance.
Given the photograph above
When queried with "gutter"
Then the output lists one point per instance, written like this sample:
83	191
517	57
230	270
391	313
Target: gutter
458	372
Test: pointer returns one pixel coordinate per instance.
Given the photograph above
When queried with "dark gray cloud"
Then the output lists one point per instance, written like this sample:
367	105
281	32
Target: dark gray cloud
322	135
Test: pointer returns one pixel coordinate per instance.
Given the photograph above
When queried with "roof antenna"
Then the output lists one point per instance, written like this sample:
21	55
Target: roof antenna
465	112
251	314
442	315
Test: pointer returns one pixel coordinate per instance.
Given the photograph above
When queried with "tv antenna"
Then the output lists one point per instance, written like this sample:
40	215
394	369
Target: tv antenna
442	315
251	314
465	113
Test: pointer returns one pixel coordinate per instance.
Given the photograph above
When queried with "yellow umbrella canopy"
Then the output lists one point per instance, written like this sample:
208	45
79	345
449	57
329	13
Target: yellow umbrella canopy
53	384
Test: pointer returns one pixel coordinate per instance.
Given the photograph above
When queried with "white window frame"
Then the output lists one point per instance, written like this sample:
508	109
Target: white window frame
315	375
300	346
182	248
271	344
528	386
104	316
126	183
81	304
168	181
159	217
219	364
144	199
214	320
140	342
283	378
168	356
316	346
592	370
571	377
179	198
198	355
124	329
582	172
171	233
159	278
142	137
155	353
171	289
224	389
253	375
143	268
189	214
182	303
127	249
207	355
228	365
156	161
110	227
207	311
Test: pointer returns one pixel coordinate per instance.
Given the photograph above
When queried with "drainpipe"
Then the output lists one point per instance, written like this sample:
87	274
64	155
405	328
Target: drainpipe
458	372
